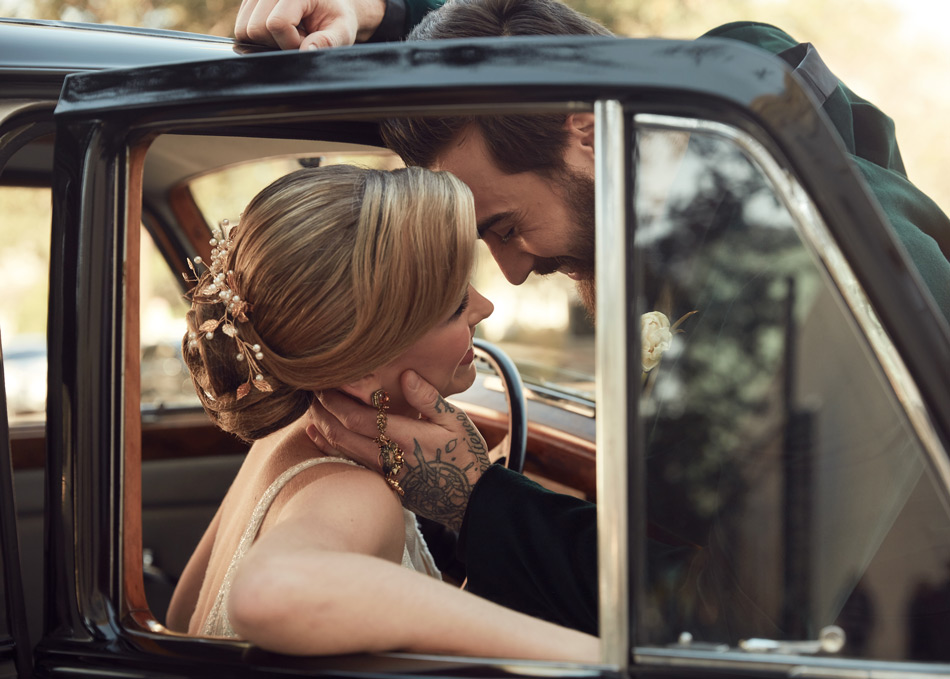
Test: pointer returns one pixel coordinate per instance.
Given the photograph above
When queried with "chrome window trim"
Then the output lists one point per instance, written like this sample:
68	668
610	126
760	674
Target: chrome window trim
792	666
611	387
13	107
818	239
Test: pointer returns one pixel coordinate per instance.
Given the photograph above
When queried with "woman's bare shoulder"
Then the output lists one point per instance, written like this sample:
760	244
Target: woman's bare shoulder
342	506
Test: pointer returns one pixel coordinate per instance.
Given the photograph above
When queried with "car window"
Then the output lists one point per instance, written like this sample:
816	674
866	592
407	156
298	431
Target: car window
24	268
787	493
24	265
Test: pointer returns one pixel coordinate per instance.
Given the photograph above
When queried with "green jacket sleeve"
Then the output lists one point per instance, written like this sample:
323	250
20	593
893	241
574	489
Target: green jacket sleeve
870	139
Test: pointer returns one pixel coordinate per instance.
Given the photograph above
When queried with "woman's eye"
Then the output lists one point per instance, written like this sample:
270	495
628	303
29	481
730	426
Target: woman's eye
462	307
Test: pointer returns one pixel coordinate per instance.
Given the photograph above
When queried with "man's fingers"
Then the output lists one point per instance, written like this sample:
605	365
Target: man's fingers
281	26
331	435
320	441
283	31
271	22
351	414
335	34
244	17
427	400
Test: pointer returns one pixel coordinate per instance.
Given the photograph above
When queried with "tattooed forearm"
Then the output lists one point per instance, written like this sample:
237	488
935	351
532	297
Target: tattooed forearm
437	489
476	444
443	406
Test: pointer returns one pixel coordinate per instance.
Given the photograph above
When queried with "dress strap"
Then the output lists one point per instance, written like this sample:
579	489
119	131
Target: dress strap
217	622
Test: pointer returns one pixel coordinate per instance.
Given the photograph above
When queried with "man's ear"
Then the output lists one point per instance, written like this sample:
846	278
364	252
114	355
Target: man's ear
580	129
363	388
579	149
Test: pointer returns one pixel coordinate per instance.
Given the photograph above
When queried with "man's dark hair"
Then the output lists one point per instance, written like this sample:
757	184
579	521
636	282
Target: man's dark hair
517	143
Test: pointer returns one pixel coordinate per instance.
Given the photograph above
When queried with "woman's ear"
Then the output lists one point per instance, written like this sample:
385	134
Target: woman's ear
363	388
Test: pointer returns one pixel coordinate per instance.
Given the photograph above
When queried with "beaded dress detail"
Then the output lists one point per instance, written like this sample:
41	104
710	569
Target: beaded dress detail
415	554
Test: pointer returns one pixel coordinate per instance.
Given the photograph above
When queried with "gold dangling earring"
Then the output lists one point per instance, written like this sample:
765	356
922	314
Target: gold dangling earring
391	457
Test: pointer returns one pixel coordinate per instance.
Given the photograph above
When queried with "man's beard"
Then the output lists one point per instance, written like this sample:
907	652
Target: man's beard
577	188
582	205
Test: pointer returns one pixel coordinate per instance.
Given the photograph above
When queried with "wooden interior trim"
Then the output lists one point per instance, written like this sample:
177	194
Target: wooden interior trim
133	586
566	459
192	220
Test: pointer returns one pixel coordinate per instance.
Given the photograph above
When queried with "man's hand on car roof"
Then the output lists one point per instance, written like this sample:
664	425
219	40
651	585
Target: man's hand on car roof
307	24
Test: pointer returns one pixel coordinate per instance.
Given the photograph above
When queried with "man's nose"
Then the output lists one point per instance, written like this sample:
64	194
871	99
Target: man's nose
514	262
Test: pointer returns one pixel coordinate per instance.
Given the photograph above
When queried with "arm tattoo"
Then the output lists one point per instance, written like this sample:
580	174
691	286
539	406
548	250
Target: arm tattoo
476	444
437	489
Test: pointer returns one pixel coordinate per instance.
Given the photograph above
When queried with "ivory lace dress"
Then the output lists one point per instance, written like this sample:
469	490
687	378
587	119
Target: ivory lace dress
415	555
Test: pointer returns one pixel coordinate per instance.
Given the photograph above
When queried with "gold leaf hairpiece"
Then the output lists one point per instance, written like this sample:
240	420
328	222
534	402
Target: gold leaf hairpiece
216	286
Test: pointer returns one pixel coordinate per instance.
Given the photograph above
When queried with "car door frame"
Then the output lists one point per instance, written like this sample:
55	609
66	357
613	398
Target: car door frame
15	652
22	121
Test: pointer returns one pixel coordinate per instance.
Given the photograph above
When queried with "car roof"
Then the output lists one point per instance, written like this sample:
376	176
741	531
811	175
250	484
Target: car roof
35	56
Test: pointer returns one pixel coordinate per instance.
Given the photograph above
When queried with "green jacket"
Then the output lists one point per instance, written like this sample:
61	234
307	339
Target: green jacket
869	137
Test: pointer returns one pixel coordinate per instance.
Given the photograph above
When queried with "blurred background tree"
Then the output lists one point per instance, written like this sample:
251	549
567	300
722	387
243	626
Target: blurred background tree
888	51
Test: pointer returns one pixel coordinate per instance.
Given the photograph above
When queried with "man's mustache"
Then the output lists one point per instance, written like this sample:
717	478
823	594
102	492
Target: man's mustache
545	267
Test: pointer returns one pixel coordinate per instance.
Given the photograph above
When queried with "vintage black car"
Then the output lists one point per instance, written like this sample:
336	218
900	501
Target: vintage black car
792	443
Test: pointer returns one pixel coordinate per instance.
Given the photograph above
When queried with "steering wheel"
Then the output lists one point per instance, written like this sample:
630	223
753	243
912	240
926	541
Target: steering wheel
511	383
441	540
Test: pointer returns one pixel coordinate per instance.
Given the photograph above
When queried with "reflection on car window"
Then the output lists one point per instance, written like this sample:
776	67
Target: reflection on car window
786	492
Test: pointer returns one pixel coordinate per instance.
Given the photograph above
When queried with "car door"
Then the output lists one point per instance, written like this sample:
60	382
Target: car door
97	596
792	439
650	533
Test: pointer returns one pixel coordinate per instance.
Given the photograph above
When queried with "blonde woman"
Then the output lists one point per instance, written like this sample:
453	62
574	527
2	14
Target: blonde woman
350	279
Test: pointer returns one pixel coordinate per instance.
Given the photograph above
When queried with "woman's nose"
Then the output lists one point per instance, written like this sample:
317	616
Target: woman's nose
481	305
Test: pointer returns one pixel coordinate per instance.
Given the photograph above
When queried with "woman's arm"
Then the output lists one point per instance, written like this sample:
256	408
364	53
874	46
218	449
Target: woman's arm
322	581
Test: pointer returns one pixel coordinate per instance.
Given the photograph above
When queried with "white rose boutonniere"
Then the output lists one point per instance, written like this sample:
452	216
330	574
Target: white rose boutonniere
655	338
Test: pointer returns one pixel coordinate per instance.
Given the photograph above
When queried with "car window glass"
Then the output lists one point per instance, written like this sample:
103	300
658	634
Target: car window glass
24	268
24	263
786	491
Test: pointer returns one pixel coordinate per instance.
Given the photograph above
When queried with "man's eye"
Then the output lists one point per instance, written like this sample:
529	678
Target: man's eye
507	236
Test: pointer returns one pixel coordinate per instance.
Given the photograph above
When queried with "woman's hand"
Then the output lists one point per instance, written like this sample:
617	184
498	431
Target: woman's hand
445	454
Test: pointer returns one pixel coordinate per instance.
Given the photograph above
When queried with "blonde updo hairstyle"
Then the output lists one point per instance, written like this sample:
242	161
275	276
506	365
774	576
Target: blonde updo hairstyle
343	268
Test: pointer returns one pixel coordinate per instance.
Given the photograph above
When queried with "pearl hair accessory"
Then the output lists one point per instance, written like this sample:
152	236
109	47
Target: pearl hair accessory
216	286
